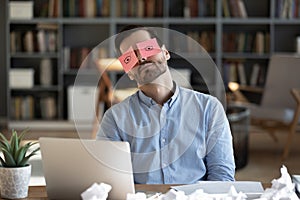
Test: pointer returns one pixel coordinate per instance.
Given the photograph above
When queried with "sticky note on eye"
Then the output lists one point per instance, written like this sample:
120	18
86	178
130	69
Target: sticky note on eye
148	48
128	59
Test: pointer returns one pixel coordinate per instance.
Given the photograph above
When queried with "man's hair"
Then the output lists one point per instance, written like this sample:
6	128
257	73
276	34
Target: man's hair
128	30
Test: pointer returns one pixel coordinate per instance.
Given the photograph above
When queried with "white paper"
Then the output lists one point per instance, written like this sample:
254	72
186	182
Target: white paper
252	189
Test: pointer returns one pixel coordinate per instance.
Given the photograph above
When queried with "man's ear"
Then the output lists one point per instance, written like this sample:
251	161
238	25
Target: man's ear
165	52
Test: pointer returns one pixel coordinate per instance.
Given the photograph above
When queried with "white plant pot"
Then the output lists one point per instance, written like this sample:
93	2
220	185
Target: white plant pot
14	182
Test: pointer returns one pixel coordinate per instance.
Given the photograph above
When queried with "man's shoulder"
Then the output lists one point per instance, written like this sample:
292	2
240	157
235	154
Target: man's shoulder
190	92
124	103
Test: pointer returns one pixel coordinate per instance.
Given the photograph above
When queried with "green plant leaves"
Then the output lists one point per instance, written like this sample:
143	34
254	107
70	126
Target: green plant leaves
14	153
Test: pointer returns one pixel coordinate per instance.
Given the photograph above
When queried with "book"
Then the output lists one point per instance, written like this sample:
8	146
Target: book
52	41
27	107
241	73
159	7
90	8
226	12
140	9
234	9
232	72
83	55
48	107
13	45
242	9
66	57
15	41
28	42
41	40
149	8
241	42
202	5
205	41
193	7
254	74
259	42
15	105
51	8
229	72
105	7
46	69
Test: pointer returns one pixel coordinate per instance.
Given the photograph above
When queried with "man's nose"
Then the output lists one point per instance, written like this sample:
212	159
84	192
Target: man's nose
141	59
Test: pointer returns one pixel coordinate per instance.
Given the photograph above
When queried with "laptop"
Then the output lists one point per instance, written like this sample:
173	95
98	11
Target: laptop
71	166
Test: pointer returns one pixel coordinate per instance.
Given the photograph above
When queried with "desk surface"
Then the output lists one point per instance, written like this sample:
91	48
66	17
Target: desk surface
40	193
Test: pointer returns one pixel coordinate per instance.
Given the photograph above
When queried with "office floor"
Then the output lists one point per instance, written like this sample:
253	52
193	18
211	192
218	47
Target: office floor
263	165
264	161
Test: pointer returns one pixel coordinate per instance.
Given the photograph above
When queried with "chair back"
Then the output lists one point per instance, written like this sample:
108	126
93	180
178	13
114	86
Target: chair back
283	75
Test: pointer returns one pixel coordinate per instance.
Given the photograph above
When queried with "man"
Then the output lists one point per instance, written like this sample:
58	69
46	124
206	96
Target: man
176	135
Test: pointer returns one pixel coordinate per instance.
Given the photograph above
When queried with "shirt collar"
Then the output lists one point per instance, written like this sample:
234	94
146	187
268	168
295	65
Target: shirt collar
150	102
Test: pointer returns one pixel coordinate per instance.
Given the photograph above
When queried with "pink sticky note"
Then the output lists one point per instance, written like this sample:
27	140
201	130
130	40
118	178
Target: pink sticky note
128	59
148	48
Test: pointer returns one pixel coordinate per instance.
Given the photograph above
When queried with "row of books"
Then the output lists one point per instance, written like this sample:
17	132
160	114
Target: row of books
139	8
236	72
46	8
206	39
234	8
199	8
258	42
74	56
29	107
86	8
287	9
40	40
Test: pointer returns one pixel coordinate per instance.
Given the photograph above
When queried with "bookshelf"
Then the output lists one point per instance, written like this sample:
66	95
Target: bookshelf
236	38
3	72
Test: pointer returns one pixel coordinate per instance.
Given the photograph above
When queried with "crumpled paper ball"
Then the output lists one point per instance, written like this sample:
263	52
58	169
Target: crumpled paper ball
282	188
136	196
96	192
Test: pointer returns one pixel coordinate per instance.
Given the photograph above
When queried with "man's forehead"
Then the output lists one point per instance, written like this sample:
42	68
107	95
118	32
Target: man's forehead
133	38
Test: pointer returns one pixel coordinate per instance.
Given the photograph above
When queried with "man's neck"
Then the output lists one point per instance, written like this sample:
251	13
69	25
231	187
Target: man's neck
160	93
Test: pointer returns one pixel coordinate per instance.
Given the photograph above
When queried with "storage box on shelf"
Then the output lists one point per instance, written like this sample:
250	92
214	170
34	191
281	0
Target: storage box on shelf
21	10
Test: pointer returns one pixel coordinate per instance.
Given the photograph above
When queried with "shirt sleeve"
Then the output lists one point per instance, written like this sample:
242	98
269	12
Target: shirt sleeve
108	129
219	156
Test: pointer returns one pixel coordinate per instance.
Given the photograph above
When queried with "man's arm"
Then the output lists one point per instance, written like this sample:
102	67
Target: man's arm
219	156
108	129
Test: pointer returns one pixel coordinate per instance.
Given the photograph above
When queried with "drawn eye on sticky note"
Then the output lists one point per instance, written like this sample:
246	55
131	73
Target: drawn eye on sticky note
128	59
148	48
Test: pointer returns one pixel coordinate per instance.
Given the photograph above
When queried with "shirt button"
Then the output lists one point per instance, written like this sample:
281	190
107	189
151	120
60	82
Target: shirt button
163	140
164	165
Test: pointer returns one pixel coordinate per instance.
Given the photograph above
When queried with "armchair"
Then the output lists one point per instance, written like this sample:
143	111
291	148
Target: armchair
280	105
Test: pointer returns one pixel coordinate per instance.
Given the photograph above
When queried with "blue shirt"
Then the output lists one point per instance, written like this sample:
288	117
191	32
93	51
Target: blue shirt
186	140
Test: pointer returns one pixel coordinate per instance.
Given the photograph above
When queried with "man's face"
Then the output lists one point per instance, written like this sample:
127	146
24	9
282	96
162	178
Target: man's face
144	69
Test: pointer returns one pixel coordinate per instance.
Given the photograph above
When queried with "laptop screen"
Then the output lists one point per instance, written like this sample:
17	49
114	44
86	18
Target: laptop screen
71	166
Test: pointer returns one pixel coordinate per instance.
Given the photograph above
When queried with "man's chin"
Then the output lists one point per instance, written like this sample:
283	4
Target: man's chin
155	82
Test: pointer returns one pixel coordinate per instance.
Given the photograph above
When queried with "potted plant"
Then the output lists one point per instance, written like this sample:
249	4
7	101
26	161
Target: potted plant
15	171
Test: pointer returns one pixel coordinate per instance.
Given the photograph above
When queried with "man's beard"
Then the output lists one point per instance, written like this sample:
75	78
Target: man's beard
147	74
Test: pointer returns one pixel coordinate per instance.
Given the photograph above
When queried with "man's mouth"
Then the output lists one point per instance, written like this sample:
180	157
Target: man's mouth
144	66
